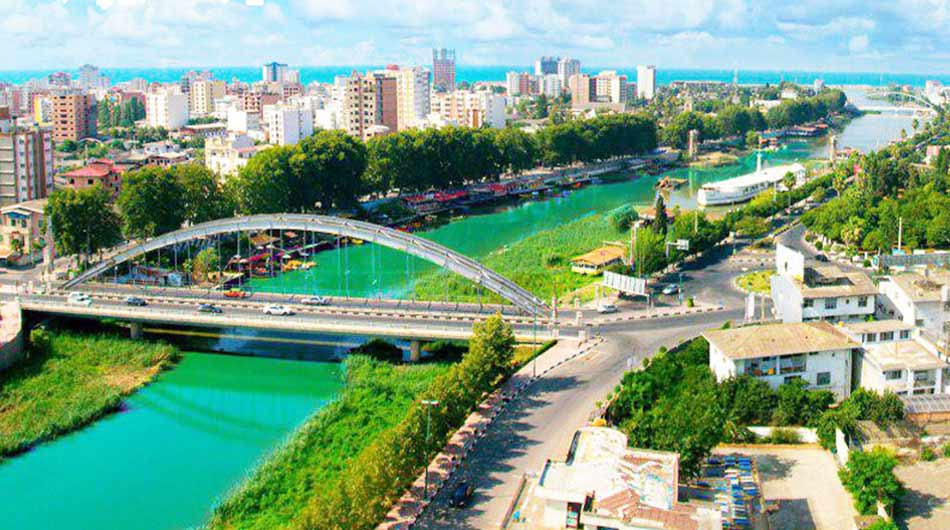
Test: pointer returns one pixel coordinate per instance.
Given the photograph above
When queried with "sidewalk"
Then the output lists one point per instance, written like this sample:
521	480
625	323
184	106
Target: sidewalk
410	506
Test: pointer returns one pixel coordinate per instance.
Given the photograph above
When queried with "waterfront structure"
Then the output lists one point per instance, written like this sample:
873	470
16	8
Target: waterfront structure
546	65
921	299
802	293
26	161
74	116
893	357
646	81
443	69
225	156
745	187
21	227
413	96
102	172
815	352
470	109
566	68
287	125
202	96
603	483
166	109
597	260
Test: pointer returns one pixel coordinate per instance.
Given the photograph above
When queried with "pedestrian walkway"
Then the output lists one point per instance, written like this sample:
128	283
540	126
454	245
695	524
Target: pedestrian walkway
414	501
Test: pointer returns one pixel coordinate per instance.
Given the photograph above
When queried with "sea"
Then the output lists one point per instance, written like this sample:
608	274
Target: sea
325	74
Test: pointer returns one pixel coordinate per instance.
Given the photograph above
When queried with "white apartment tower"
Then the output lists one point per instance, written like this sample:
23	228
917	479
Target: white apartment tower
566	67
26	162
413	96
287	125
203	94
166	109
646	81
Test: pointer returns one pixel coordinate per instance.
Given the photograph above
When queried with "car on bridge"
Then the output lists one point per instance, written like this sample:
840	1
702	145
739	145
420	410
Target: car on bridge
79	299
210	308
315	300
135	301
279	310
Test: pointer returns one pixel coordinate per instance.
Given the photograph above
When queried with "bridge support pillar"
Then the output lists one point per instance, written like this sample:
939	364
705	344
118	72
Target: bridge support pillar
135	330
415	351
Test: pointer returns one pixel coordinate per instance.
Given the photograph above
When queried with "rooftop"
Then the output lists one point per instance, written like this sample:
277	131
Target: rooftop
922	288
769	340
34	206
600	256
902	355
878	326
828	281
96	169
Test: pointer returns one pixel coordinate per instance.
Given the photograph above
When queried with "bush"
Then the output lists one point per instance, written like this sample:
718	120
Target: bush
946	450
623	218
886	410
883	524
927	453
690	302
39	341
379	349
819	245
783	435
869	477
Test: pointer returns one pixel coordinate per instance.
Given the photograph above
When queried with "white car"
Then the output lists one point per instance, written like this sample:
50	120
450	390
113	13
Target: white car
671	289
606	308
278	310
80	299
314	300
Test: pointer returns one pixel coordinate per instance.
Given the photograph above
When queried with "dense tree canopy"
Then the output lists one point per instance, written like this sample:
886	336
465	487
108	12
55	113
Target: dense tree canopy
151	203
83	220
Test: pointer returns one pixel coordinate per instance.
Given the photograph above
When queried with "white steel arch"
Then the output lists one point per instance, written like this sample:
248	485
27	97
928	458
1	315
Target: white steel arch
381	235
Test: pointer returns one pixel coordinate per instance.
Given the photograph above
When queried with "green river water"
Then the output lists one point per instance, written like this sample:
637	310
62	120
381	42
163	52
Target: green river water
184	441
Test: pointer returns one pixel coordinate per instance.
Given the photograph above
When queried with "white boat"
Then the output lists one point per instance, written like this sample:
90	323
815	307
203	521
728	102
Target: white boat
743	188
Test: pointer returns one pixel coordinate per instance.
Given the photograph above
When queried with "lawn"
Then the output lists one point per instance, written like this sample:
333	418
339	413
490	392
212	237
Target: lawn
755	281
69	380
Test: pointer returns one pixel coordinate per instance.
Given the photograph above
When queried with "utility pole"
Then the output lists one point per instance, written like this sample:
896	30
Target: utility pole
428	404
900	232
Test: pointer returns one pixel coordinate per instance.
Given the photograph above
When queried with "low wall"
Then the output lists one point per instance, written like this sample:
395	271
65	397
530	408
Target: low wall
806	435
11	334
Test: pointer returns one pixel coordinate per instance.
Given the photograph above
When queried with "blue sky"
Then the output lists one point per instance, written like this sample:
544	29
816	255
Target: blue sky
829	35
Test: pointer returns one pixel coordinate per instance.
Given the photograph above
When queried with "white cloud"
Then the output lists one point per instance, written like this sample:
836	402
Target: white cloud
497	25
859	44
594	42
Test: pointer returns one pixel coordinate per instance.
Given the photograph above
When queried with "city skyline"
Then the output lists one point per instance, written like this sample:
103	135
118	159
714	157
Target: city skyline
902	36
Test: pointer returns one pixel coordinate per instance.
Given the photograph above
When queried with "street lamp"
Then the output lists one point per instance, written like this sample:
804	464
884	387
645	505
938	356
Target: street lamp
428	404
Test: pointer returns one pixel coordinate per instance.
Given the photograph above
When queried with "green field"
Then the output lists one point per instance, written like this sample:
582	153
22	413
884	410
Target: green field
755	281
69	380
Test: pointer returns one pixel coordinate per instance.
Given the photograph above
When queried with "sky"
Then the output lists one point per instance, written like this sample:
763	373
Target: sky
907	36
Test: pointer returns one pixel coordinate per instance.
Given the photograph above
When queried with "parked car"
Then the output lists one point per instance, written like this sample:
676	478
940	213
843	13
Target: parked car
79	299
314	300
671	289
210	308
606	308
822	258
135	301
462	494
280	310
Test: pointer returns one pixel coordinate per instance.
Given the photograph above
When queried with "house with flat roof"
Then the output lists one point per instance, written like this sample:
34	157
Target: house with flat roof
805	292
921	299
894	357
815	352
595	261
606	484
21	235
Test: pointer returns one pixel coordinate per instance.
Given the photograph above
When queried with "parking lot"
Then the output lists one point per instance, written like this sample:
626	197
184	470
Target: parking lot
804	483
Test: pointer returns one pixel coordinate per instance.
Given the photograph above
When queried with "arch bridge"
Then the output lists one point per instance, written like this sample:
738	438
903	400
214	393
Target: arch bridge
916	98
381	235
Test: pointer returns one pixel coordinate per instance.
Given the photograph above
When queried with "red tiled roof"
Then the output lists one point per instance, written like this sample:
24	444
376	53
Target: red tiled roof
96	169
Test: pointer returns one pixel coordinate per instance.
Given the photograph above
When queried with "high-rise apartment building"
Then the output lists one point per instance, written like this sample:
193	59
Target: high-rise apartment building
470	109
166	109
646	81
74	116
90	79
566	67
273	72
413	96
254	102
579	85
286	124
359	106
546	65
609	87
521	84
26	161
550	85
202	95
443	69
59	79
386	102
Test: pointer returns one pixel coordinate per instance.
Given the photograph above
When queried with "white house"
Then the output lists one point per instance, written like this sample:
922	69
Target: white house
919	299
894	357
802	293
166	109
815	352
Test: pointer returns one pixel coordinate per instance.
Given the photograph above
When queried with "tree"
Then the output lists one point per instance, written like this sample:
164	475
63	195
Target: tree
747	400
799	406
839	183
517	148
83	222
202	198
151	202
938	231
623	218
869	477
205	262
883	524
852	233
491	348
67	146
649	251
662	219
326	171
16	246
265	184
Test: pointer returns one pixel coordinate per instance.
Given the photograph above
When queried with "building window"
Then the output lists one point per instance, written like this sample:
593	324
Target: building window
831	303
823	379
905	334
870	337
887	335
761	366
792	364
893	375
808	302
919	322
790	379
863	301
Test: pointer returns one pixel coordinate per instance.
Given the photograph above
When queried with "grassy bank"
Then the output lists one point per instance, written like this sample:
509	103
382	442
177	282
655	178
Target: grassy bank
757	281
69	380
540	263
377	396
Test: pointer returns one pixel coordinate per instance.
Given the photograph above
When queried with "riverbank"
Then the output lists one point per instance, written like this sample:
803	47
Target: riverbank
69	380
376	396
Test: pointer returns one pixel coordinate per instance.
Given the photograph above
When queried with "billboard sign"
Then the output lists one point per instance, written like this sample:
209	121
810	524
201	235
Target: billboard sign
625	284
